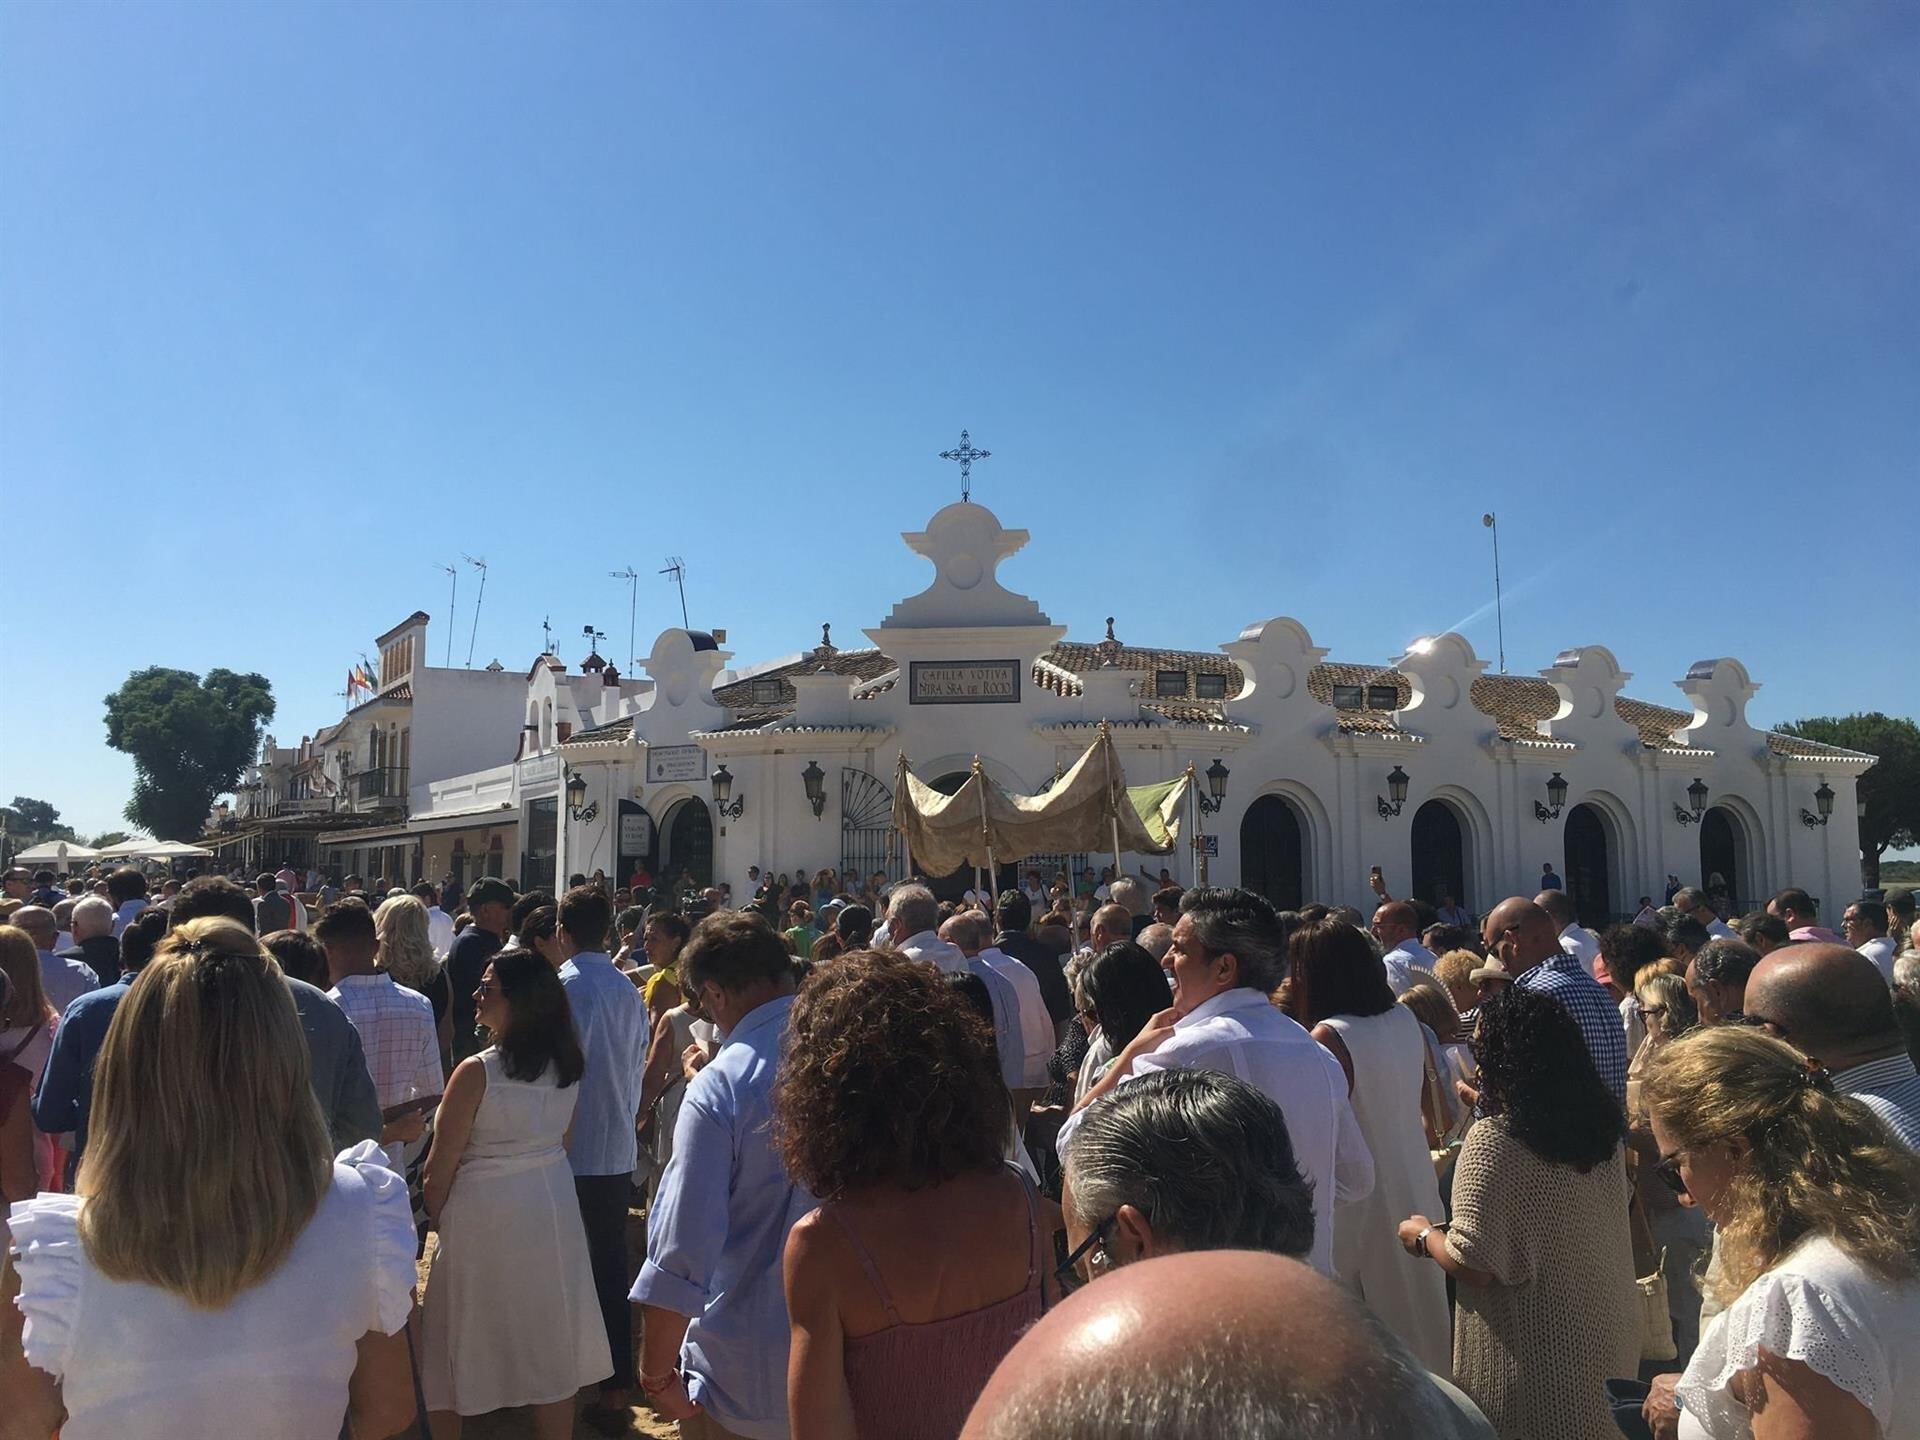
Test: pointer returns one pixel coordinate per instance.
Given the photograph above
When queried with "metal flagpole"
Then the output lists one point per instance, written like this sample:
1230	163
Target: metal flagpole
452	598
1499	613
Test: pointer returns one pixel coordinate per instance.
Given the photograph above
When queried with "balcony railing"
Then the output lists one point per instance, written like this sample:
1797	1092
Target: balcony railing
371	786
305	805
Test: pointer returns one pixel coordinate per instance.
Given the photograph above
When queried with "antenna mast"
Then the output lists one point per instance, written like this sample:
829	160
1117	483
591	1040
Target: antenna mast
451	605
677	568
632	577
481	566
1499	612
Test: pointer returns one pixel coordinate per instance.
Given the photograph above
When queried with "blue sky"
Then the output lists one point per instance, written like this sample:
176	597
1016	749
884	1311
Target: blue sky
1258	308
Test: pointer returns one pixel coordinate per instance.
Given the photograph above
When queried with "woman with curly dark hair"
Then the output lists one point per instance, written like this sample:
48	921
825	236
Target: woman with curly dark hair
923	1263
1539	1242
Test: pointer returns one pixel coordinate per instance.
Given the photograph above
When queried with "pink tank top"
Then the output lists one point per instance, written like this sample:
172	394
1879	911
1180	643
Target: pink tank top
917	1382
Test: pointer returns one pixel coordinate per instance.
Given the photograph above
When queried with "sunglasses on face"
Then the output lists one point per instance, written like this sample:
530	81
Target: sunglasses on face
1669	1170
1065	1272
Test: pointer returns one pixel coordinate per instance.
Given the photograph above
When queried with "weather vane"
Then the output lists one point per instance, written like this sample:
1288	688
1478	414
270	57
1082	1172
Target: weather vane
966	455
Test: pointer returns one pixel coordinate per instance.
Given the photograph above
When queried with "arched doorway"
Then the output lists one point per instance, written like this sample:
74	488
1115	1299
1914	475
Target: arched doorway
1588	866
1723	872
1271	858
1439	855
689	848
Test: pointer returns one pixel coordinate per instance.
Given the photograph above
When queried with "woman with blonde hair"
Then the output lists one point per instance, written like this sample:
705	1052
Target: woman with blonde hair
406	954
209	1222
1818	1257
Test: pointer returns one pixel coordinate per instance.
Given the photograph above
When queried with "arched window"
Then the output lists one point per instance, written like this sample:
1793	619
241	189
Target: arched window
546	724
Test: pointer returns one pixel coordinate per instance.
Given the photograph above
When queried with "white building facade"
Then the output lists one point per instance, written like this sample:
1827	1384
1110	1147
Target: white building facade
1453	780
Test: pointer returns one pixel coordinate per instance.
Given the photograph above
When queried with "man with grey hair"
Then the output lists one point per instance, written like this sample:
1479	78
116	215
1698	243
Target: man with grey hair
1184	1160
1225	961
1716	979
1692	900
93	942
1110	925
1229	1343
1023	1055
912	912
1906	999
1133	897
65	980
1156	940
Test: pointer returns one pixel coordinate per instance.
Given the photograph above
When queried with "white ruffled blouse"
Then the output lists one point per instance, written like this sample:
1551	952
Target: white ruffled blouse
133	1359
1820	1307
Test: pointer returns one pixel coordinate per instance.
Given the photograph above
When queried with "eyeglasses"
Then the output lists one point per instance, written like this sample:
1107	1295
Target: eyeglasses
486	987
1065	1272
1668	1170
1761	1022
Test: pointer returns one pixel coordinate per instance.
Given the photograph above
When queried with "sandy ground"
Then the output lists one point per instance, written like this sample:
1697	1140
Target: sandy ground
515	1424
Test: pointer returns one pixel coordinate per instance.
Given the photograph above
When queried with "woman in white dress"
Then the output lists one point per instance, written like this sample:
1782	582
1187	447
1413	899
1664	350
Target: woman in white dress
217	1273
1339	989
1818	1262
511	1316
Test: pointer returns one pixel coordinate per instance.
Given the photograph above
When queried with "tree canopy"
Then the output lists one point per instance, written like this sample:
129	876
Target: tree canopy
34	820
1891	788
189	739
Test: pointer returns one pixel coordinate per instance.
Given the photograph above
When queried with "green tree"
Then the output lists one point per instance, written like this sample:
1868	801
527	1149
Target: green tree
106	838
189	739
1891	788
35	821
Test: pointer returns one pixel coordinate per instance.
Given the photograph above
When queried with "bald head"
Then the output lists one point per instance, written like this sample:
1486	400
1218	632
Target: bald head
1395	923
1829	1002
1520	934
39	923
1224	1342
1558	904
968	930
1111	923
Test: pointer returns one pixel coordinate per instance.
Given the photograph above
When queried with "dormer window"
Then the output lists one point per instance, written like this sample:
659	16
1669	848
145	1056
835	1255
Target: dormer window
767	692
1210	687
1169	683
1349	697
1383	697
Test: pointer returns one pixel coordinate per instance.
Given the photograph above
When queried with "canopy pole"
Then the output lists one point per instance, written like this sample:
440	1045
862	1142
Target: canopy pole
900	773
1113	814
1199	843
986	834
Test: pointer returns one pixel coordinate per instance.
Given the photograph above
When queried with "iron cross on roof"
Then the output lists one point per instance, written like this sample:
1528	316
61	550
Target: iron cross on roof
966	455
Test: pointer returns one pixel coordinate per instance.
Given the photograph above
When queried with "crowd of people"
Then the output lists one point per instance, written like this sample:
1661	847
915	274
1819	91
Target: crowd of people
1091	1156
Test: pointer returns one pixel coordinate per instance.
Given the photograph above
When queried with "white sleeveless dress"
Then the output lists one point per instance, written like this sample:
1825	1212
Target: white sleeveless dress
1409	1296
511	1318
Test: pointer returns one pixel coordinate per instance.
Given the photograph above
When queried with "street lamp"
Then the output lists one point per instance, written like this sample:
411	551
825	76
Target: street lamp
1697	798
1216	788
1556	798
1823	798
1397	788
722	789
815	779
576	798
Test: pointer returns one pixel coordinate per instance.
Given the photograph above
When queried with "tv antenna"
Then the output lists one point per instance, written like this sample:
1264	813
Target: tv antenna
677	568
594	637
481	566
452	598
546	632
632	577
1499	614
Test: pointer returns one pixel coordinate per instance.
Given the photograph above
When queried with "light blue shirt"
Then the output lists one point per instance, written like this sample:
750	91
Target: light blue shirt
611	1020
65	980
719	1228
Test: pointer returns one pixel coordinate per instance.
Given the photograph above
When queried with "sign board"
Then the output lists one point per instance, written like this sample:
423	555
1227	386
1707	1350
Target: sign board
675	762
964	682
1210	845
636	832
544	767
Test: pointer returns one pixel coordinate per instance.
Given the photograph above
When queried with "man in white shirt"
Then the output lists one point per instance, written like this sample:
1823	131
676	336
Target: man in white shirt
1575	938
1396	925
439	923
912	912
127	889
63	980
1864	927
1227	957
1022	1030
1691	900
396	1027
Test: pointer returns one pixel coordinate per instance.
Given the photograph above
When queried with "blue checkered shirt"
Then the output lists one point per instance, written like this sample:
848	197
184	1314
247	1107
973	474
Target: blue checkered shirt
1592	1009
1891	1089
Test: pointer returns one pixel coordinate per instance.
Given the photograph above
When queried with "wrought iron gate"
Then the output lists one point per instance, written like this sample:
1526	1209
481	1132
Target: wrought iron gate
867	838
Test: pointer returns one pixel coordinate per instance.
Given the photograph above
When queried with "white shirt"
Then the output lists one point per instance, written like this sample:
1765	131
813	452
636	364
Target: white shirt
1821	1307
1241	1033
1881	951
947	958
126	912
1404	958
1578	942
401	1044
1720	930
1036	1026
439	931
136	1363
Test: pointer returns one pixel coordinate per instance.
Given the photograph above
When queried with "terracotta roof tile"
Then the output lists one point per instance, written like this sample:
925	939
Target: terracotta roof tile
1656	723
1794	745
1081	658
738	697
